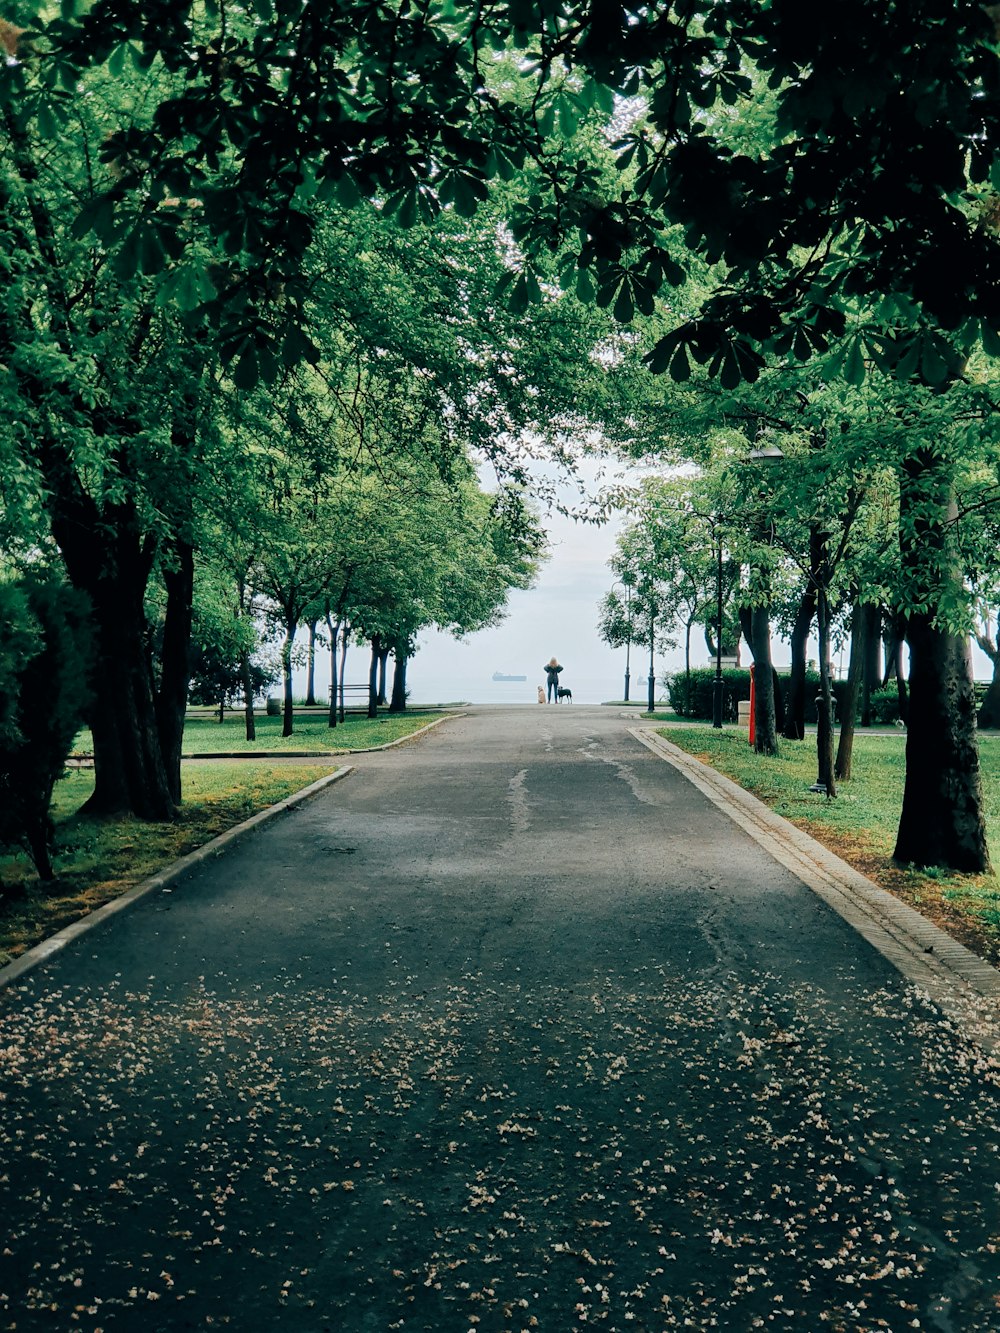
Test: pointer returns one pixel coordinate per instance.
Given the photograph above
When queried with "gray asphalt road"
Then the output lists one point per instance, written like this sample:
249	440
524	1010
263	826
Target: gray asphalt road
512	1029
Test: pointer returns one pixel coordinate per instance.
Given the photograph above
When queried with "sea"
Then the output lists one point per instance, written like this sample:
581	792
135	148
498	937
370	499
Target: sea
586	689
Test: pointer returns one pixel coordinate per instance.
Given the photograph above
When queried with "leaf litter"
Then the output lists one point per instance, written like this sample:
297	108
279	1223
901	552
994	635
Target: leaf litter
641	1152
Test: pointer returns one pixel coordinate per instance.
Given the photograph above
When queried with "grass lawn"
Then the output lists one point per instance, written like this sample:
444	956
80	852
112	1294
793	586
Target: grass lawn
860	824
97	860
312	733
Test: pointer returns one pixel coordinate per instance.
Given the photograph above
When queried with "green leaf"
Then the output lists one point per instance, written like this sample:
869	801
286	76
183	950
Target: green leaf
730	376
680	366
347	190
98	216
298	347
245	372
518	299
991	339
933	366
854	364
624	307
585	288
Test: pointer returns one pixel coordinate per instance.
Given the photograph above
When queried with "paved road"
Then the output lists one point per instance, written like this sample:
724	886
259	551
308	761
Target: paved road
512	1029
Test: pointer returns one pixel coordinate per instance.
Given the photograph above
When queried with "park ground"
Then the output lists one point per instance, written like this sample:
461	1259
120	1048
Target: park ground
512	1029
97	860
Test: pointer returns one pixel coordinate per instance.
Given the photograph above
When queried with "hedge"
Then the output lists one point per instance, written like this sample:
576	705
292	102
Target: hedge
694	698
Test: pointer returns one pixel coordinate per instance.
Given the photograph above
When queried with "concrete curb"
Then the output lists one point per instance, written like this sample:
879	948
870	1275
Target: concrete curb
964	986
317	755
31	958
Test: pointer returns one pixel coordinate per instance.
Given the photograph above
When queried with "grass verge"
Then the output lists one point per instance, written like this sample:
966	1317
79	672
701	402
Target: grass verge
99	859
860	824
312	733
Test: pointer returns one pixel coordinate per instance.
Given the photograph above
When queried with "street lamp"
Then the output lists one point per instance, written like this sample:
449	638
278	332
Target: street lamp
628	627
717	695
652	641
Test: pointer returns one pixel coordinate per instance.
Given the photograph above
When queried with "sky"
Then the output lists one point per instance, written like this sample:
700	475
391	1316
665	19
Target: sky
557	617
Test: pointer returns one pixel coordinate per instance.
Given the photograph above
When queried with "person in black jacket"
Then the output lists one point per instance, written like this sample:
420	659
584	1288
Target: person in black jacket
552	679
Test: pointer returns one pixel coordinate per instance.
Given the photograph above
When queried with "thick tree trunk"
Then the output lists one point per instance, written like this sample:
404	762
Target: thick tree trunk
311	666
824	703
871	676
107	559
373	676
765	727
286	676
397	704
334	630
942	821
894	637
383	661
175	663
795	709
855	671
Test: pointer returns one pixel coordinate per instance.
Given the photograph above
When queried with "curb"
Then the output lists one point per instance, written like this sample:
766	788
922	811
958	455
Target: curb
31	958
963	985
318	755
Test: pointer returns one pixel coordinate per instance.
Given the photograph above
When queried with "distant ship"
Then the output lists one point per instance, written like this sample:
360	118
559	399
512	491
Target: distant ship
501	675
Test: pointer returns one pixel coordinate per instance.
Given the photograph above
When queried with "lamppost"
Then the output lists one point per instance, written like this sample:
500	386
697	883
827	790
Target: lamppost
718	693
626	584
628	633
652	641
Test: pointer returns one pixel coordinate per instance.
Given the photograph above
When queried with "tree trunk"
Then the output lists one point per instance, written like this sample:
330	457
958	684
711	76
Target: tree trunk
856	670
110	562
824	704
247	677
766	733
871	676
286	675
383	660
334	630
311	667
895	633
343	665
397	704
795	709
373	676
942	821
175	663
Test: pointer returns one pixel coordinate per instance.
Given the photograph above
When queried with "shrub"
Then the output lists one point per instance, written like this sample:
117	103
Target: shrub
694	700
693	696
45	661
885	706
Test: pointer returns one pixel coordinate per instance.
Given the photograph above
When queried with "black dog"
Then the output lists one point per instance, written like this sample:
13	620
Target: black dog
563	693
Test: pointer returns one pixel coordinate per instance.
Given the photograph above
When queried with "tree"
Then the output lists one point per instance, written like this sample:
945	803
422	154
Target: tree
46	663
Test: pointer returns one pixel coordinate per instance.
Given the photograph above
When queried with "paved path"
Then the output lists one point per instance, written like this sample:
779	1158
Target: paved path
511	1029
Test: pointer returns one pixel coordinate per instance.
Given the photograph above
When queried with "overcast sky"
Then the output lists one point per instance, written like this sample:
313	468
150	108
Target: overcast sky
557	617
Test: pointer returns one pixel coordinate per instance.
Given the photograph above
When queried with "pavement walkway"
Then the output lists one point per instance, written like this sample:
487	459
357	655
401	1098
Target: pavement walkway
515	1027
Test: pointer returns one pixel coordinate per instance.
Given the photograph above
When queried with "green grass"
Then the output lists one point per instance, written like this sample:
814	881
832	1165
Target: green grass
860	824
312	733
97	860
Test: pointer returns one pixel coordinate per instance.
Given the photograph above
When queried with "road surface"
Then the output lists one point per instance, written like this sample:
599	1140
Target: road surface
511	1029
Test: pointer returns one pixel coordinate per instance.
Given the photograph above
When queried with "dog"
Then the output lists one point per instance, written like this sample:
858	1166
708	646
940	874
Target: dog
541	695
563	692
